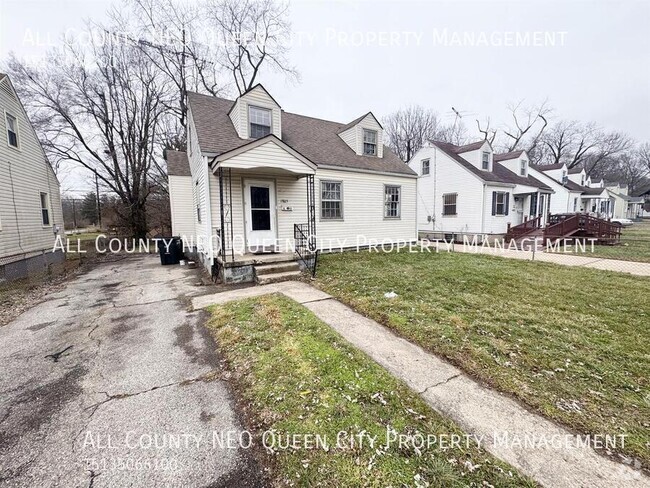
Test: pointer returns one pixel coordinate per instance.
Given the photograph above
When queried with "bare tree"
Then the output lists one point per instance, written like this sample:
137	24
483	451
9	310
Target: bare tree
253	34
528	125
103	104
408	129
489	134
643	153
607	146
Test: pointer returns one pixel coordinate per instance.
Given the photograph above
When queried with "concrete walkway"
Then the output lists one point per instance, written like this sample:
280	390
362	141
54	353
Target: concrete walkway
580	260
476	409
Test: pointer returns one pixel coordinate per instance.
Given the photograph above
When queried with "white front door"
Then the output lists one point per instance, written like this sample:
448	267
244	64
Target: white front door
519	211
259	204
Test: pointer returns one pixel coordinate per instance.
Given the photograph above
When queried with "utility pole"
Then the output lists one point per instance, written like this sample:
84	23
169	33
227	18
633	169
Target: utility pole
74	213
99	209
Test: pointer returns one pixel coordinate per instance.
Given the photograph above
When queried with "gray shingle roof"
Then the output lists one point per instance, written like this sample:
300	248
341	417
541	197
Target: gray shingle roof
316	139
499	173
470	147
546	167
508	155
177	163
575	170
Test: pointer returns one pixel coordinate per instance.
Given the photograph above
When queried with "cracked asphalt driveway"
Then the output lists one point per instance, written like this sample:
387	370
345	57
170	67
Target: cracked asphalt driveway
113	382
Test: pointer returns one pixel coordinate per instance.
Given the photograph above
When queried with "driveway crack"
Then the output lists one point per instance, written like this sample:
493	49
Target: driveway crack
439	383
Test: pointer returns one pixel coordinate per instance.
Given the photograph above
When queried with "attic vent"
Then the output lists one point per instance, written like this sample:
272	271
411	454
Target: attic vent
7	89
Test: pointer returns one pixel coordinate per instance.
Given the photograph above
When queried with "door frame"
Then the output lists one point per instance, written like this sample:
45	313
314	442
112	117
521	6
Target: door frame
273	209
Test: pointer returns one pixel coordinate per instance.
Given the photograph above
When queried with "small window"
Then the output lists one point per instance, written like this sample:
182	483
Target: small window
198	213
369	142
564	176
524	166
260	122
392	202
331	201
449	204
575	204
45	209
12	130
582	181
486	161
425	167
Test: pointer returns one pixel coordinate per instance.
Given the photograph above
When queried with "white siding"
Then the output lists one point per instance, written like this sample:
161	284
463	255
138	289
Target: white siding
447	176
562	199
182	206
24	175
498	224
258	98
353	136
475	158
363	207
268	155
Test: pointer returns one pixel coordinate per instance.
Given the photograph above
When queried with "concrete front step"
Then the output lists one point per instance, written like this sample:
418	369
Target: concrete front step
272	268
265	279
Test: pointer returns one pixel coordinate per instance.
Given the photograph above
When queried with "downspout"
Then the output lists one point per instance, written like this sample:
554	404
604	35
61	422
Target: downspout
435	187
483	212
208	209
13	198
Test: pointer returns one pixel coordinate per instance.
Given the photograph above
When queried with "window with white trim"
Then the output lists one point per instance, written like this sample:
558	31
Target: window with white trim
392	201
425	167
486	161
523	167
45	209
500	203
369	142
449	204
331	200
12	130
259	120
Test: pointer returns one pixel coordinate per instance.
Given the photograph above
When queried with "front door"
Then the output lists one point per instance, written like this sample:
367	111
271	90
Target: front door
519	210
259	203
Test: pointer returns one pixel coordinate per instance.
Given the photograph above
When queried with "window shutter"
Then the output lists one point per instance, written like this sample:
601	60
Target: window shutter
494	203
507	203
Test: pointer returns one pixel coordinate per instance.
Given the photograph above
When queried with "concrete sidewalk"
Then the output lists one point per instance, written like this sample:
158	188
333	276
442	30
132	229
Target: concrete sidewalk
583	260
476	409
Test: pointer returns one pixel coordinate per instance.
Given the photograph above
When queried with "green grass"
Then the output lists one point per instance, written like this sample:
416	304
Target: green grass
298	376
634	246
572	343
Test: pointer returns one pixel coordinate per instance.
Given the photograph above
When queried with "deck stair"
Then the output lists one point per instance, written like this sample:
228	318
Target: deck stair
524	230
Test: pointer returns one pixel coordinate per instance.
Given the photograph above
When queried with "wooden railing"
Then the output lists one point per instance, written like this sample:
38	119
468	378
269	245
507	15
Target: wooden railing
525	228
564	225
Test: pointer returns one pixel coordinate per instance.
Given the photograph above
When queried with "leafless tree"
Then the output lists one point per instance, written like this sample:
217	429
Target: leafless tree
408	129
608	145
489	134
631	170
252	34
528	125
643	153
103	104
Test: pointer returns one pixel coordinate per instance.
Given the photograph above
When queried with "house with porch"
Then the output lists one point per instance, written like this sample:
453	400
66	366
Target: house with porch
270	189
469	190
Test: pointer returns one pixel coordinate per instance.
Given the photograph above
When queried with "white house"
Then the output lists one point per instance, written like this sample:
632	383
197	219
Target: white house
265	180
30	202
470	190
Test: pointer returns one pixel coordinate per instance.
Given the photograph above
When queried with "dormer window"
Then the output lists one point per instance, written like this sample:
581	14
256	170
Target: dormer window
582	180
259	120
425	167
522	169
486	161
564	176
369	142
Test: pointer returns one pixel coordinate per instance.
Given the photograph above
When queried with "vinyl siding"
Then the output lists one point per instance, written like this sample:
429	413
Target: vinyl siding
182	205
268	155
258	98
363	203
447	176
24	175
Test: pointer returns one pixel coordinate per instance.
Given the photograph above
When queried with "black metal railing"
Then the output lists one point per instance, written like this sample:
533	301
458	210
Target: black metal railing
305	247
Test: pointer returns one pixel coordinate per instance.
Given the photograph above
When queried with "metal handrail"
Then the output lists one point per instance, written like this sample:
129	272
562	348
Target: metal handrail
305	248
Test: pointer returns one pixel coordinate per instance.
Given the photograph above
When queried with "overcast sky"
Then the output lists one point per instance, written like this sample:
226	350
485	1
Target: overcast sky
590	59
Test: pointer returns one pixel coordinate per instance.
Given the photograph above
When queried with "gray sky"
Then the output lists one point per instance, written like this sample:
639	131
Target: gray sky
598	70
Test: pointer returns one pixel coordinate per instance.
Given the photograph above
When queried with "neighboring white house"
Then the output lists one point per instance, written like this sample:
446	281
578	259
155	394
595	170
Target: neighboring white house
468	190
181	200
30	202
263	179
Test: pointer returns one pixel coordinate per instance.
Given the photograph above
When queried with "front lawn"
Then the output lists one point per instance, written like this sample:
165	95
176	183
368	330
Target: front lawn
298	378
572	343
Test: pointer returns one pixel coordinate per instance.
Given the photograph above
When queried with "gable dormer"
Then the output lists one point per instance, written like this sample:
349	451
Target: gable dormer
365	136
479	154
578	175
515	161
256	114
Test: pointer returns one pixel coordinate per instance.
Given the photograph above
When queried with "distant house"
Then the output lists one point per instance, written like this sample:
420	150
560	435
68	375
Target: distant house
30	201
264	182
469	190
